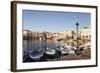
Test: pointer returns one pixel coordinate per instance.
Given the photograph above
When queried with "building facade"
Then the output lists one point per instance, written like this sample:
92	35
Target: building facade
85	33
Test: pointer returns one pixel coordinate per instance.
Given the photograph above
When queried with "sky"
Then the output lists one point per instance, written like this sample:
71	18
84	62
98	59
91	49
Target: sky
54	21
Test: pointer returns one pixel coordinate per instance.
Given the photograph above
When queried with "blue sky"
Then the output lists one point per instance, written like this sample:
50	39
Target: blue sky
54	21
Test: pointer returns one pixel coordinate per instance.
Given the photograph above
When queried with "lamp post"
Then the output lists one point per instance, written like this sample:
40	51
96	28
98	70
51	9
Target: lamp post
77	24
72	38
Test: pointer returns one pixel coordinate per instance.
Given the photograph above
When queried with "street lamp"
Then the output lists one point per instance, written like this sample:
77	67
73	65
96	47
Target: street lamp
77	24
72	38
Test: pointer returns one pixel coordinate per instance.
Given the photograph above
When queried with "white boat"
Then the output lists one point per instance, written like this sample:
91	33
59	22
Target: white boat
50	51
67	50
35	55
85	46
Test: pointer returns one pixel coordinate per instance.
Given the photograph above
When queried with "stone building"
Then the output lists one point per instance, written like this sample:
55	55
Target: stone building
85	34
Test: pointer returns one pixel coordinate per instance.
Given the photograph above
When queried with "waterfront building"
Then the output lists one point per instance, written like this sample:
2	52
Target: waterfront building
27	34
85	33
65	35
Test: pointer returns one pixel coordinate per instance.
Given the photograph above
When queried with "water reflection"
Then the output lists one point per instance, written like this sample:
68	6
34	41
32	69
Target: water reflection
36	49
36	44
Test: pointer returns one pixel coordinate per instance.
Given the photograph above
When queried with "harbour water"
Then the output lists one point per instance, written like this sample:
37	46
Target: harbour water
39	51
35	45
